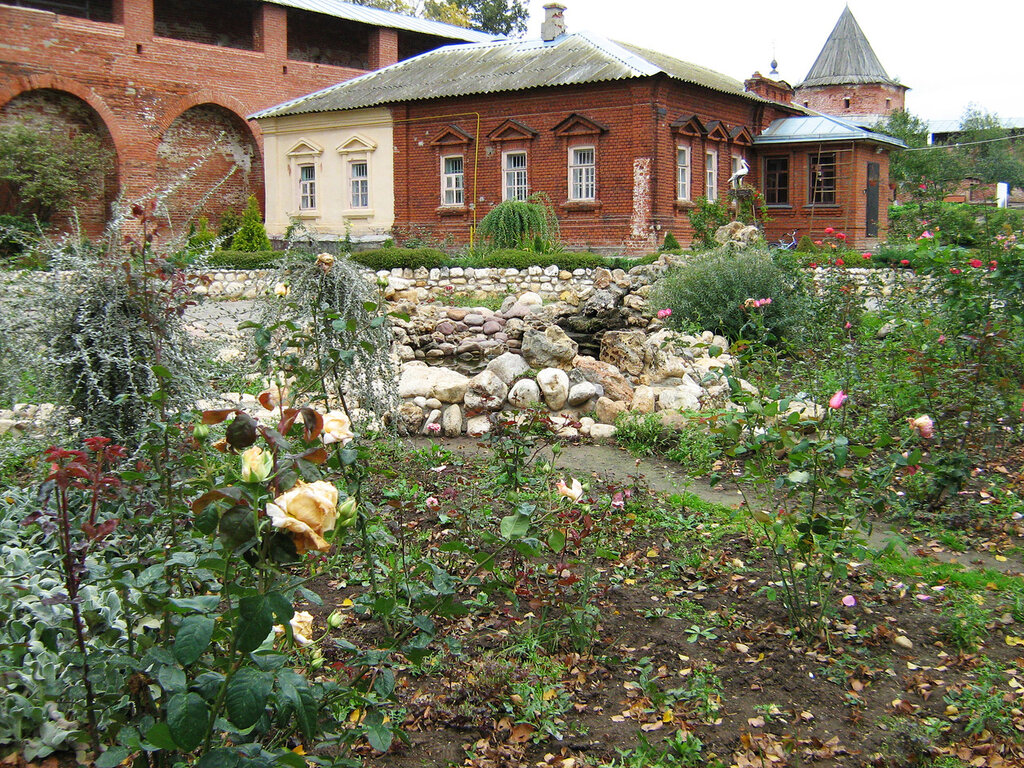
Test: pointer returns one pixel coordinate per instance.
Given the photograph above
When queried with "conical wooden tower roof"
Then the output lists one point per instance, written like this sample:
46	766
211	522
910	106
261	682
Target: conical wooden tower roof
846	58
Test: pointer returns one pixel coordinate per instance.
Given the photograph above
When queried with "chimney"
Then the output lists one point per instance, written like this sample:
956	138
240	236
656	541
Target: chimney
554	22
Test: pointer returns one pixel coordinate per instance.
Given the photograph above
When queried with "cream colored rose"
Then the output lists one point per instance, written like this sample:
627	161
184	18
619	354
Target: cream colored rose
326	261
302	628
573	491
307	511
337	428
282	290
257	464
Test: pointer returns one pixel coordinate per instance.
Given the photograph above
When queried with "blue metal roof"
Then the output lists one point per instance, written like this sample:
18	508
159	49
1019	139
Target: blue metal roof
820	128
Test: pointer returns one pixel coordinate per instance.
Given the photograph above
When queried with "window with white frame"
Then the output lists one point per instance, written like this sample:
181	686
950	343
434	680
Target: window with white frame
682	173
307	187
515	187
452	180
359	183
711	175
582	174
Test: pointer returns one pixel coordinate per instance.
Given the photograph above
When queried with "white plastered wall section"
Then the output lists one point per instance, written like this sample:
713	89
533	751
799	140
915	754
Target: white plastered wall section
330	142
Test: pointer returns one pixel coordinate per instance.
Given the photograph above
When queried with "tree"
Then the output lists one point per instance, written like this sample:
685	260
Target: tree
43	171
252	235
989	151
922	171
499	17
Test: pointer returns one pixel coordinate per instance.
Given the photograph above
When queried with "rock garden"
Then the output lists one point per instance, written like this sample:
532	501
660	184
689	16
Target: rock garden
742	507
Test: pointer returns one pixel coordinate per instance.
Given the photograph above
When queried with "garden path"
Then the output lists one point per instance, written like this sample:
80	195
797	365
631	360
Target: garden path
611	462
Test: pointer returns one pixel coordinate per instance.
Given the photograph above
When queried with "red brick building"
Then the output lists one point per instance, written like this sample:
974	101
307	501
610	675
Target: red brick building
622	140
167	84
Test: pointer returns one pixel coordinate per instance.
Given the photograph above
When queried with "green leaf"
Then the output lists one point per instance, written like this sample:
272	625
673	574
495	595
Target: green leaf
161	371
160	736
112	758
296	692
222	757
202	604
378	734
556	540
255	621
290	759
515	526
171	679
246	696
187	718
384	685
193	637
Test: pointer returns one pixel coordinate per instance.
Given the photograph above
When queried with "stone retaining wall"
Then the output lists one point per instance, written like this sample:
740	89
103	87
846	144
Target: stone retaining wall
551	283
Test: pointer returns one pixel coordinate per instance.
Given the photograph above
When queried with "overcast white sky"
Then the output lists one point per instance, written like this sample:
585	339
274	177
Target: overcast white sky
949	54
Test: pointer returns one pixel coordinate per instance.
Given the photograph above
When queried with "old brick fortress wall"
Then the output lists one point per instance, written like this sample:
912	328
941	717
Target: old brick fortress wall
635	151
161	82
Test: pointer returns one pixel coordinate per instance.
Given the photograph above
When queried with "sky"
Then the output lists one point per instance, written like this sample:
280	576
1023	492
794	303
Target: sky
969	54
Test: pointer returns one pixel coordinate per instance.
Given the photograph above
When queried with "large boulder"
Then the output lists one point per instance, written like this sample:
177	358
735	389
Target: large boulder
550	348
486	391
451	421
678	399
524	394
608	410
628	351
643	400
446	385
554	385
580	393
616	386
508	367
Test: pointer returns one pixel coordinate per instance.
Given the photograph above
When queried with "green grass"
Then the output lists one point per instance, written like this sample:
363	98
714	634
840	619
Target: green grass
951	573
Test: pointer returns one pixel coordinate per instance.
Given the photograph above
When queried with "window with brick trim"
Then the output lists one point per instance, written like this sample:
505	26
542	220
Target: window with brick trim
452	180
821	182
514	171
307	187
711	175
359	183
682	173
776	181
582	173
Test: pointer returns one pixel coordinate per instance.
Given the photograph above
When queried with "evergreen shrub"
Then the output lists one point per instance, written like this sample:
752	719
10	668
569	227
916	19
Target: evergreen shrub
708	293
251	235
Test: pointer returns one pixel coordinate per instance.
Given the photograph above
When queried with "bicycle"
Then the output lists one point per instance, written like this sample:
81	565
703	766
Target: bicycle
786	245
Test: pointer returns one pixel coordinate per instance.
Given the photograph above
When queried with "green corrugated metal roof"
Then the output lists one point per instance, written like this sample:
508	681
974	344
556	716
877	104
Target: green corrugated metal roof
846	58
504	66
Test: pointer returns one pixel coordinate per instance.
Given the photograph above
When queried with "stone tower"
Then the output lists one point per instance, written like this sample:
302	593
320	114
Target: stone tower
847	79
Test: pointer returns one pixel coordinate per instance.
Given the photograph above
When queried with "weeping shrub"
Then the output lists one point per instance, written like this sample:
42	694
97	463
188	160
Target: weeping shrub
523	224
708	293
331	333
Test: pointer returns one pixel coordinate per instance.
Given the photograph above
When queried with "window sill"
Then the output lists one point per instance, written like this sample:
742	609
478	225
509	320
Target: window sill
452	210
684	205
358	213
816	206
307	215
780	207
582	205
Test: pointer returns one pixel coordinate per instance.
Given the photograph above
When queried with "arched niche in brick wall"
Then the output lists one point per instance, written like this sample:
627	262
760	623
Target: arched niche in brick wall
208	161
63	114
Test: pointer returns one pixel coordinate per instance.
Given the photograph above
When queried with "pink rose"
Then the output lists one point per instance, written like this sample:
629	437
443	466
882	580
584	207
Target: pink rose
829	230
922	426
663	313
976	263
837	400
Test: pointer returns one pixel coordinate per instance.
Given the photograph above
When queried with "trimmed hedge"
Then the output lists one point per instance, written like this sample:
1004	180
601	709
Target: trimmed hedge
245	259
430	258
390	258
